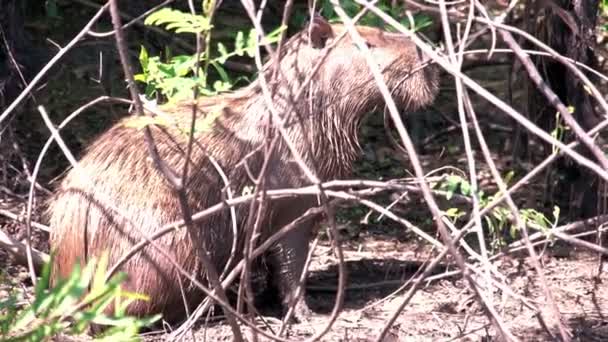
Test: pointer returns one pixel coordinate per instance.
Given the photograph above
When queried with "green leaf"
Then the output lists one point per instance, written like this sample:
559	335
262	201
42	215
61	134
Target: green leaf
224	55
556	212
178	21
274	36
221	86
222	72
144	58
251	43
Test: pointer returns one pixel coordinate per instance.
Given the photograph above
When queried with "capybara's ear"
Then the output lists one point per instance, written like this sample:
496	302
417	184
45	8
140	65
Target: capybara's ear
320	31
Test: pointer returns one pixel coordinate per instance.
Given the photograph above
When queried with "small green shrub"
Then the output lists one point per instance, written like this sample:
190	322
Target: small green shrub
499	220
72	306
176	77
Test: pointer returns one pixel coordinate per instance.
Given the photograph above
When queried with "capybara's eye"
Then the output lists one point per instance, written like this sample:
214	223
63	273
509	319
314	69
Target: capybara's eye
368	44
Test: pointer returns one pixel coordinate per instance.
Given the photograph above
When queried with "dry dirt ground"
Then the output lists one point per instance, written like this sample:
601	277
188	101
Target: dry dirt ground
444	310
378	265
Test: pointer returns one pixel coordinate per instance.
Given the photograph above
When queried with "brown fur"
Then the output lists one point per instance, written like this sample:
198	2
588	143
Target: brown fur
119	167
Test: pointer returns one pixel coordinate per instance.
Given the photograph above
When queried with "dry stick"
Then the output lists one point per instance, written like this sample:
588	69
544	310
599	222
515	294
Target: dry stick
507	109
416	284
249	7
183	181
308	190
284	23
126	17
184	177
544	54
536	171
418	168
553	98
51	63
21	219
279	123
20	252
55	135
286	14
573	240
484	12
252	234
402	285
515	212
70	157
303	166
47	145
245	290
256	253
565	61
457	61
486	94
308	215
30	202
178	185
547	240
448	274
28	245
598	220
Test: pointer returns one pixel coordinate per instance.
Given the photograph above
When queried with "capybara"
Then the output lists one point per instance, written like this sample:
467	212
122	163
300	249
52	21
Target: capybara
232	132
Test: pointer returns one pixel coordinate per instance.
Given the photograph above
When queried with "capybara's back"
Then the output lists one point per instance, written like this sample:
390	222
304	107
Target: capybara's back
117	196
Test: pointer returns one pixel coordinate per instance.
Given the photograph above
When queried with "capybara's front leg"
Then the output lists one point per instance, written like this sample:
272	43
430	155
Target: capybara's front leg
287	259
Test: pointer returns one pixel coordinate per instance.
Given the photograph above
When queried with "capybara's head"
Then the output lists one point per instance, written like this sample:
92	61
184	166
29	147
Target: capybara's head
345	78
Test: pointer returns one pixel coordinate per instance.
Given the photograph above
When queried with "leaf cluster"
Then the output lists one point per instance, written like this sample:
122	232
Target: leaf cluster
351	7
499	220
72	306
176	77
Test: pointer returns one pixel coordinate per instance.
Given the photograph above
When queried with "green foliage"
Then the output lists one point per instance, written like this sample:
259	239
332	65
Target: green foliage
398	12
72	306
178	21
454	214
176	78
499	220
455	184
560	129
